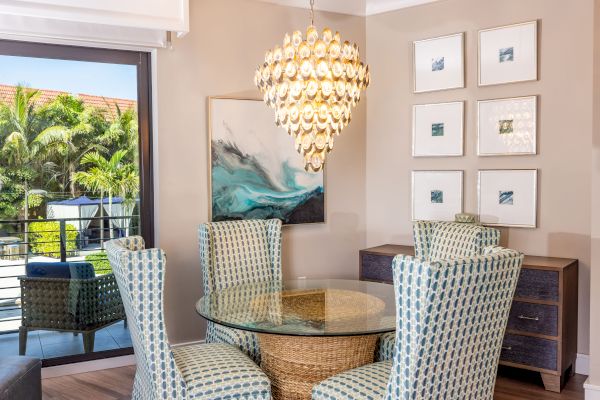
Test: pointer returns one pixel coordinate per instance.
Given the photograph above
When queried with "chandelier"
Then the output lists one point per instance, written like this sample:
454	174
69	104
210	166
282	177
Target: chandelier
312	83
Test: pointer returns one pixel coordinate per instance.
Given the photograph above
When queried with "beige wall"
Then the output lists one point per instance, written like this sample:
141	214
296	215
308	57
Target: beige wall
228	39
564	126
595	183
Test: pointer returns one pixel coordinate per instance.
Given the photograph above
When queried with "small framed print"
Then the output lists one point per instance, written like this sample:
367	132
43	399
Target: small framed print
508	198
436	195
507	126
438	129
439	63
508	54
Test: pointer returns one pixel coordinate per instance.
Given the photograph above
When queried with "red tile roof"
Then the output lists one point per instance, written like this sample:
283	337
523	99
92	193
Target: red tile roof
45	96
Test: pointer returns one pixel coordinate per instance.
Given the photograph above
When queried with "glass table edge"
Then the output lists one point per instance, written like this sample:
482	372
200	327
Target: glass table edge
303	334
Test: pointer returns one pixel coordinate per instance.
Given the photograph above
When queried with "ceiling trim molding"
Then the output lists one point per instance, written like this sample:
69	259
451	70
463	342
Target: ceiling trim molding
362	8
382	6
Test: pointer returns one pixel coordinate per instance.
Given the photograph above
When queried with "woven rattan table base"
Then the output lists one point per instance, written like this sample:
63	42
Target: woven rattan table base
296	363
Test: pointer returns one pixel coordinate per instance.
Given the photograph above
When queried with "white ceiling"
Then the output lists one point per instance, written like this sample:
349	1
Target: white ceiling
353	7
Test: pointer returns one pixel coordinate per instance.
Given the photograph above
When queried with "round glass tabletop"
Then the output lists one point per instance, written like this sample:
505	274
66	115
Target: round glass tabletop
329	307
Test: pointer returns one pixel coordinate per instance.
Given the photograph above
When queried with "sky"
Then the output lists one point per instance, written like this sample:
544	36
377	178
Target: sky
75	77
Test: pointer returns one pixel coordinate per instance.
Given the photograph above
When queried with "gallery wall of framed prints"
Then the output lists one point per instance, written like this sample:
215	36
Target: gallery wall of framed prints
506	127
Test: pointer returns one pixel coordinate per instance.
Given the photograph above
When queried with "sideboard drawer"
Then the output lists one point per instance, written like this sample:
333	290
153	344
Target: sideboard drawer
538	284
377	268
533	318
534	352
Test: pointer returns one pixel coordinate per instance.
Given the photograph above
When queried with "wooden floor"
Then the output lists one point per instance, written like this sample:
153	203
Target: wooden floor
115	384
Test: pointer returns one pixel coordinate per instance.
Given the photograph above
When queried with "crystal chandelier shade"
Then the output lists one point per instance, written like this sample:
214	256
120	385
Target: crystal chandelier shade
313	82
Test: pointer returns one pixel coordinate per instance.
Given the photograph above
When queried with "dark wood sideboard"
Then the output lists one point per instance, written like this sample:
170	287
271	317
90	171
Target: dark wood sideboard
542	327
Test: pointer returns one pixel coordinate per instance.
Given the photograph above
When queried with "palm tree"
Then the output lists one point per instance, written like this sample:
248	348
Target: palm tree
74	134
18	148
123	131
21	145
111	176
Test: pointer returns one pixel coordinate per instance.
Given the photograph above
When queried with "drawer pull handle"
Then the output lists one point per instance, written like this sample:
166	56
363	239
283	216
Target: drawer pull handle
508	348
528	318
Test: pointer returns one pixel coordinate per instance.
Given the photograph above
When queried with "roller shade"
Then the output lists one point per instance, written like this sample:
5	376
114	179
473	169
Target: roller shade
129	23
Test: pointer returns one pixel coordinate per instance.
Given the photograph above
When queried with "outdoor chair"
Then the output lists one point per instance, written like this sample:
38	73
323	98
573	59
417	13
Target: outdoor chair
234	253
443	241
205	371
450	321
68	297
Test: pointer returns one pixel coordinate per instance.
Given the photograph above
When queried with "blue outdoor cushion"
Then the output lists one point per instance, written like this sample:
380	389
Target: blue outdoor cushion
62	270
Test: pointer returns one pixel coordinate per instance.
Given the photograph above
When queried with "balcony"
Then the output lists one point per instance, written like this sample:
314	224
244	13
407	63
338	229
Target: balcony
50	241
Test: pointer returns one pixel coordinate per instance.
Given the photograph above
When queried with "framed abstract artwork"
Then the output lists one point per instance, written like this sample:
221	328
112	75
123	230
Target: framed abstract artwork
508	54
255	173
507	126
439	63
437	195
438	129
508	197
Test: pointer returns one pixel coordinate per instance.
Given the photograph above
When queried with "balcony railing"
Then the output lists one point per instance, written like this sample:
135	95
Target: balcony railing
63	240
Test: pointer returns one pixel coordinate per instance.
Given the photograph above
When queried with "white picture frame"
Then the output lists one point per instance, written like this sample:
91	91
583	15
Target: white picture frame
508	54
508	197
438	130
438	63
507	126
437	195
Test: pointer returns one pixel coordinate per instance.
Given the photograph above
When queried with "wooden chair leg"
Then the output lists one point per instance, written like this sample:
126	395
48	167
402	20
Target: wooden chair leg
125	323
88	341
22	340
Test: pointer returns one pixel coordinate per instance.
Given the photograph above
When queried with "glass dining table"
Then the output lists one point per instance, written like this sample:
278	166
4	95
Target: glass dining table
309	330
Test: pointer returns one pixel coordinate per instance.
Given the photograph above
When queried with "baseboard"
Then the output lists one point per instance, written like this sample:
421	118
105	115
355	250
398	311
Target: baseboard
582	365
87	366
592	392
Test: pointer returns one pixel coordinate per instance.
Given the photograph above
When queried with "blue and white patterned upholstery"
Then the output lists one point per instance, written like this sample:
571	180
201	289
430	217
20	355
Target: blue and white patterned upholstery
443	241
234	253
450	322
446	240
367	382
204	371
385	346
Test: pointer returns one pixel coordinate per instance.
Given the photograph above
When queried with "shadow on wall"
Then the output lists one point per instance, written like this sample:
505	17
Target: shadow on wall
571	245
324	252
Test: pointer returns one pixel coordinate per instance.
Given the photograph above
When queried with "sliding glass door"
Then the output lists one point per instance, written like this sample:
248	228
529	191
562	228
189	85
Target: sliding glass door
75	172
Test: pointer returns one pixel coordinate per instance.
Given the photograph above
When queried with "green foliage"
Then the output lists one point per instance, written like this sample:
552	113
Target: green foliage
43	145
44	238
100	263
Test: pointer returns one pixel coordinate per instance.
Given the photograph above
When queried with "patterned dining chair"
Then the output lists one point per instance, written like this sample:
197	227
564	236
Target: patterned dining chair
439	240
198	371
450	321
234	253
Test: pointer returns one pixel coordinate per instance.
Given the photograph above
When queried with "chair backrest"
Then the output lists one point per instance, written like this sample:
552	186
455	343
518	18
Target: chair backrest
238	252
451	317
140	275
439	240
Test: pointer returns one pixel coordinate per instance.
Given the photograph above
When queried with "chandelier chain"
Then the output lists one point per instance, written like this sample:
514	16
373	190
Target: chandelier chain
312	12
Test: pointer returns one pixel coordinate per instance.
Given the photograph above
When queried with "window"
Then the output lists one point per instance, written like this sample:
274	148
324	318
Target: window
75	171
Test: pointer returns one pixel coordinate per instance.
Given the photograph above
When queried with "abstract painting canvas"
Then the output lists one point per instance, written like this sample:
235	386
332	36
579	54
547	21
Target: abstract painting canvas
255	171
437	195
508	197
